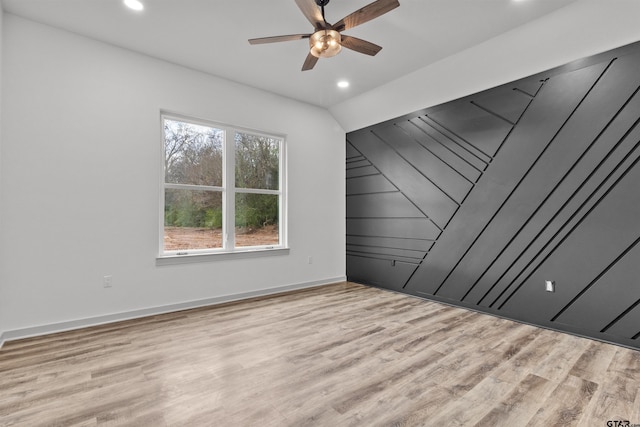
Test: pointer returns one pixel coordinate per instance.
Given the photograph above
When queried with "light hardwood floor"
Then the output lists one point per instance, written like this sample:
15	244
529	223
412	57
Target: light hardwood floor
336	355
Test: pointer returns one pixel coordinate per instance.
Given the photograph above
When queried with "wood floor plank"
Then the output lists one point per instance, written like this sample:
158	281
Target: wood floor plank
561	358
566	403
593	363
343	354
607	406
518	407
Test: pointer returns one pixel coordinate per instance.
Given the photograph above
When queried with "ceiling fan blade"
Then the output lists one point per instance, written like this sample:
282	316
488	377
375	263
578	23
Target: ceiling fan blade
309	63
311	11
276	39
360	45
365	14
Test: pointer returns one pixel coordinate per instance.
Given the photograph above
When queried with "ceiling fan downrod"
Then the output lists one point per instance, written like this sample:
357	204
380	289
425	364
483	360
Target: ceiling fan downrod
322	4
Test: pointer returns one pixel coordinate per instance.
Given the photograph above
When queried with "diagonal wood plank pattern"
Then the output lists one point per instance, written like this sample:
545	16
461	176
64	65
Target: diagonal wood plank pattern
342	354
503	190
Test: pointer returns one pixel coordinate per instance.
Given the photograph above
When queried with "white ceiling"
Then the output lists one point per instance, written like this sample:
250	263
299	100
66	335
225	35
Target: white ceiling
211	36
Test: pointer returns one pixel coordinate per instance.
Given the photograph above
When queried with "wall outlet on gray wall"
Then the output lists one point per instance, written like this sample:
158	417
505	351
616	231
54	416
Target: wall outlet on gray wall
549	286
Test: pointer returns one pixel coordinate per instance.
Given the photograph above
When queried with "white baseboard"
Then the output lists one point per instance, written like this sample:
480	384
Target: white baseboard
135	314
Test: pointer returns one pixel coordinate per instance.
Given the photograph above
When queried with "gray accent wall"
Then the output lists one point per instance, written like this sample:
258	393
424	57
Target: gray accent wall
478	202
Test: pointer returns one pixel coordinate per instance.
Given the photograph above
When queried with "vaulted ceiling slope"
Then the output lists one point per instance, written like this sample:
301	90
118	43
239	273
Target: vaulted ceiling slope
211	36
579	30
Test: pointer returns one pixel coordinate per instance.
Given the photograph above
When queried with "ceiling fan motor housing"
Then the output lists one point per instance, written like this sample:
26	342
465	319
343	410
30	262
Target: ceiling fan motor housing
322	3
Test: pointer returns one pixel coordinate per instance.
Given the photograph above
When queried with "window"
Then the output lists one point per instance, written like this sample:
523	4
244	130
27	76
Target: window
222	189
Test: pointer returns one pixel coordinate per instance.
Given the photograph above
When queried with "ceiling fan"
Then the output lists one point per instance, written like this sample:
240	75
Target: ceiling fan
326	41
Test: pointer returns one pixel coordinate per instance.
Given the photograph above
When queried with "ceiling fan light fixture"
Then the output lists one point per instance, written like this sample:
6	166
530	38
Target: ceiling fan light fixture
325	43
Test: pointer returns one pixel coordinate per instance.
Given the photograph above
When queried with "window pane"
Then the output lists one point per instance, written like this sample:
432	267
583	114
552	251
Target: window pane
193	153
257	219
257	161
192	219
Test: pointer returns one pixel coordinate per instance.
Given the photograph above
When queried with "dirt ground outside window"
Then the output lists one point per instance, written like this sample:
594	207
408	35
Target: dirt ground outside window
183	238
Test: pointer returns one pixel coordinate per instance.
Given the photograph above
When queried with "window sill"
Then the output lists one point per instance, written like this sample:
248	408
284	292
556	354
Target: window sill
221	256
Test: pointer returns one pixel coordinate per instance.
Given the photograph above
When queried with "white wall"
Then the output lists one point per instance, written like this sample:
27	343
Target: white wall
2	298
578	30
81	157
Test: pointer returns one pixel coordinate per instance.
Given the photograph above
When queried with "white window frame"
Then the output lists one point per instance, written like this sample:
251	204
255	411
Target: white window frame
229	191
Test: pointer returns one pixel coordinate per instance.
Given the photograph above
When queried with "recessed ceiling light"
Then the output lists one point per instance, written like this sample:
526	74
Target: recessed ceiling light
134	4
343	84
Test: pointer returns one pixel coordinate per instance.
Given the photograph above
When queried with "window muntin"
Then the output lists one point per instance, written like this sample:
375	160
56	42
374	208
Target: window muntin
222	188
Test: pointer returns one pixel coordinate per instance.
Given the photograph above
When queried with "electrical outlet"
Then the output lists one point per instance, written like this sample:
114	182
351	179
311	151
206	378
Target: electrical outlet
107	281
549	286
310	260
